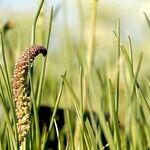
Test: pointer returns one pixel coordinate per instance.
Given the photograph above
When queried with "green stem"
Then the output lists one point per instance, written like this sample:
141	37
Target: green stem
118	66
54	113
8	85
36	119
34	23
44	63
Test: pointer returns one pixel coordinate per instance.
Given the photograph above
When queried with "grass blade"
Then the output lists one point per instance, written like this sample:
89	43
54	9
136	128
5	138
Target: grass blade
36	119
114	116
135	78
8	86
5	64
40	89
70	132
54	112
147	19
57	133
118	66
90	135
34	23
10	129
74	97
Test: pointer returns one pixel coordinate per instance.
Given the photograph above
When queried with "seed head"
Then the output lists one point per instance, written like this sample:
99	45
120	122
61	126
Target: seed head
21	93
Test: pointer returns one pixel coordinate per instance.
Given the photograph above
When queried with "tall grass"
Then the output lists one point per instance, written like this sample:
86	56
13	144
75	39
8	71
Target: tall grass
95	97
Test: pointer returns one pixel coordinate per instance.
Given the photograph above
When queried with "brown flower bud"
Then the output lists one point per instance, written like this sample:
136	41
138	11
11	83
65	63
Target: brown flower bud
20	89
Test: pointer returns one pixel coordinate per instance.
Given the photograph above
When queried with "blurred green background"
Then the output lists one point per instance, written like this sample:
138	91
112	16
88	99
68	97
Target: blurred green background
83	31
69	37
72	16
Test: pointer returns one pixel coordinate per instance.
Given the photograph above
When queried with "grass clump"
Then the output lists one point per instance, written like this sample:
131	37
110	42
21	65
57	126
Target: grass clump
90	106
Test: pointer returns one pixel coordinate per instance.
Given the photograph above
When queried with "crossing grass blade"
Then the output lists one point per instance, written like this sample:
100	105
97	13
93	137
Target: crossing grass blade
114	116
90	134
135	78
75	99
70	131
57	133
104	126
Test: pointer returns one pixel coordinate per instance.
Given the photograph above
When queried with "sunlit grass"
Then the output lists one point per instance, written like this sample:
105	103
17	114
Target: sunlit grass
104	107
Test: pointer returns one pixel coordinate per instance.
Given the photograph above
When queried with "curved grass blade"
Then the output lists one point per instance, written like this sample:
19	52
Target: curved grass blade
34	23
147	19
57	133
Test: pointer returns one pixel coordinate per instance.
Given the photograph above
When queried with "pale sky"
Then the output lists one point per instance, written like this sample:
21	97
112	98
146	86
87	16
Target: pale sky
129	11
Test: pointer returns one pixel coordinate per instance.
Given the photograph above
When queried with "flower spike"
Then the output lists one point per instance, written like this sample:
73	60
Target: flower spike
21	93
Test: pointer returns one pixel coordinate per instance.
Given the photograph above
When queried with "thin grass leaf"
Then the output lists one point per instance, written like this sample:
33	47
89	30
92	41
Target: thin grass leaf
43	138
5	82
56	105
40	89
54	113
91	136
67	146
127	58
87	142
135	78
8	86
9	100
75	99
5	64
143	99
29	143
10	129
130	66
9	142
118	66
36	119
94	123
104	127
81	105
114	116
57	133
35	22
70	132
131	51
147	19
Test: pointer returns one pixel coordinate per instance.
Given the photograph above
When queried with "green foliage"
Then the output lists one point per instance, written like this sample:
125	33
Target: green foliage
117	103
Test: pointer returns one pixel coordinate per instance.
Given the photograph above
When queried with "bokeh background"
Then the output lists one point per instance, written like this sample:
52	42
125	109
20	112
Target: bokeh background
69	34
68	15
